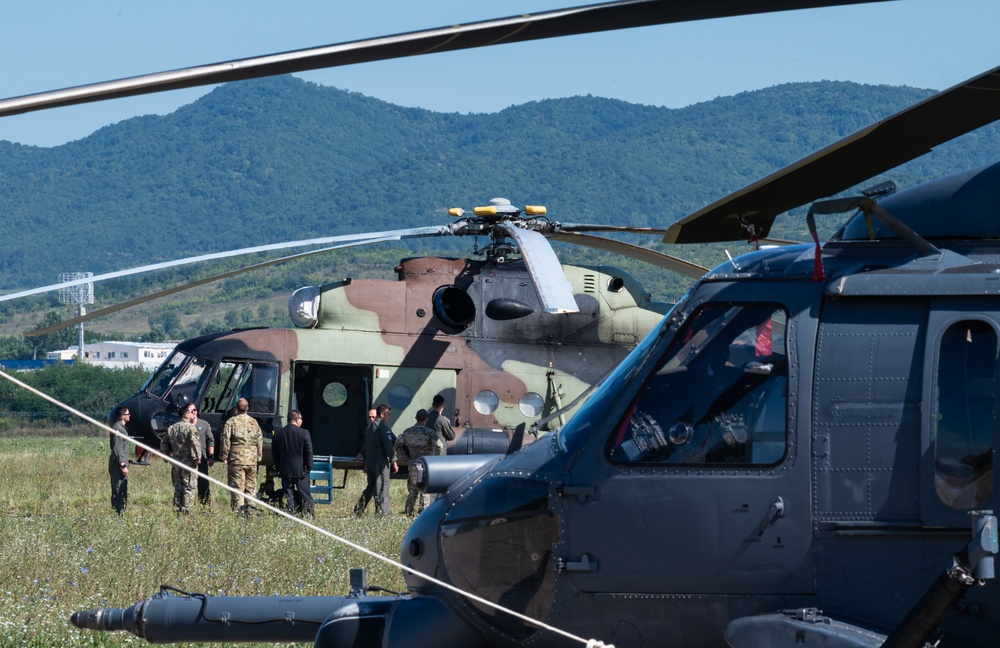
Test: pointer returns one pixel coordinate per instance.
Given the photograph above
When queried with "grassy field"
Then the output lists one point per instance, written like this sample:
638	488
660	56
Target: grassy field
63	549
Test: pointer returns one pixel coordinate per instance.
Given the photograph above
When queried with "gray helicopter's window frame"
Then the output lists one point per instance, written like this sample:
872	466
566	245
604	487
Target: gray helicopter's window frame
719	396
965	417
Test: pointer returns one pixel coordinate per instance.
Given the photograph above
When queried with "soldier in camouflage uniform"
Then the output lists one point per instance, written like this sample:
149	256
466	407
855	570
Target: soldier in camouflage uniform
415	442
441	424
241	448
181	443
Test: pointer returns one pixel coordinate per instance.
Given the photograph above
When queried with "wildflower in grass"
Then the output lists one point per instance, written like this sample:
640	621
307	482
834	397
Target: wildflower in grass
83	570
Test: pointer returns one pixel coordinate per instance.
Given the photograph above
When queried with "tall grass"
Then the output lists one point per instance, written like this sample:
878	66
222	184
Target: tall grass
62	548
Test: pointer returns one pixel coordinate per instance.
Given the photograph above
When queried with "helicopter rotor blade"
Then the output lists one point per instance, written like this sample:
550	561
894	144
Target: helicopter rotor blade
554	290
621	14
108	310
652	257
413	232
873	150
624	229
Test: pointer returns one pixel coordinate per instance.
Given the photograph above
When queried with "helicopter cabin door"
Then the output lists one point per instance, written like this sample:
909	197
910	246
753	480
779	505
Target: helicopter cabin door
962	421
333	399
704	463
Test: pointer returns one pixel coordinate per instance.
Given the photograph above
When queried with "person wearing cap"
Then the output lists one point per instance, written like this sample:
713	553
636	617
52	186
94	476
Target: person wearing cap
415	442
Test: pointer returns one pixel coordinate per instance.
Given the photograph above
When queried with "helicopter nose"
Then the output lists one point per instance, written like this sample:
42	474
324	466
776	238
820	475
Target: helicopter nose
495	540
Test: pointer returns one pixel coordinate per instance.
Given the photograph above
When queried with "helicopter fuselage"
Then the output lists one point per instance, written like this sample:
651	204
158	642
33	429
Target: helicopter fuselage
469	330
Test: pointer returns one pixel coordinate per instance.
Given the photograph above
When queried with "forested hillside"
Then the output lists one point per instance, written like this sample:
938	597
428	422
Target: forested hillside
278	159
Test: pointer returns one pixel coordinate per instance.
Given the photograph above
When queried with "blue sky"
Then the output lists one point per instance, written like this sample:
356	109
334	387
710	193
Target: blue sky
49	44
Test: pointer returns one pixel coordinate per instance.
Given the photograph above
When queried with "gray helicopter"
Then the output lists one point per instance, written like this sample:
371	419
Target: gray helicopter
802	453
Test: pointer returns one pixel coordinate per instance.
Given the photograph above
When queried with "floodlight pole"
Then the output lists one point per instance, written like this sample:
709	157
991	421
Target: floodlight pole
80	295
81	311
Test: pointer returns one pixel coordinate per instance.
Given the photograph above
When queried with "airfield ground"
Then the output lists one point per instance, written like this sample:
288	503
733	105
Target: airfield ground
63	549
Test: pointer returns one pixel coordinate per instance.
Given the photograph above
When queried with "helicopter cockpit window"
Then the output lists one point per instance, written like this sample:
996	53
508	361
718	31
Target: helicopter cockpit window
188	382
259	385
162	378
255	381
178	379
219	396
719	396
965	416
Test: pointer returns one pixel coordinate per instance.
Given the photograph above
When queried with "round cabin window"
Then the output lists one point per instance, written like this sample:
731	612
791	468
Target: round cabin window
335	394
531	404
486	402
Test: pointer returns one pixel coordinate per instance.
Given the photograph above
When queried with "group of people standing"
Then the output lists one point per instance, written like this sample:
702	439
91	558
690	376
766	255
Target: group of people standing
191	442
380	451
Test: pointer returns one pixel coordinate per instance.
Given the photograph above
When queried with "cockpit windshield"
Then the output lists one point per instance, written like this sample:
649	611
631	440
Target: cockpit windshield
719	394
178	378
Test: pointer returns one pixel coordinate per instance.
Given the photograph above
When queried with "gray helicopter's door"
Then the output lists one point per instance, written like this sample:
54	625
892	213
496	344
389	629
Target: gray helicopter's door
702	468
961	421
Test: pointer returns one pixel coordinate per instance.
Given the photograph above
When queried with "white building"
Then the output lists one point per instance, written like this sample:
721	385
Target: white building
117	355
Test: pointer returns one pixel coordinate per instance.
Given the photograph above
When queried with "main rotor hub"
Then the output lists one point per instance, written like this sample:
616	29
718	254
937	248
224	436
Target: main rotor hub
489	220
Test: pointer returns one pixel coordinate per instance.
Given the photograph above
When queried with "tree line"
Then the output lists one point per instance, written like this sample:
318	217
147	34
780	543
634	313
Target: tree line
284	159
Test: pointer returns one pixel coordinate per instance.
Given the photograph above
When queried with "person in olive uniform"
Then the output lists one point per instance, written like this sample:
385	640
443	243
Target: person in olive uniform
118	461
182	444
241	448
380	458
441	424
416	441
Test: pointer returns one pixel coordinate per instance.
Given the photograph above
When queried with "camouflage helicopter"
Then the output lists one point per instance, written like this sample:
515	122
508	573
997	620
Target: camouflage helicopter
506	339
802	453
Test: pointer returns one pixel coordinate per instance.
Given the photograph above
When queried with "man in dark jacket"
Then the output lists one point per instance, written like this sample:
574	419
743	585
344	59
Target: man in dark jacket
293	457
207	439
380	459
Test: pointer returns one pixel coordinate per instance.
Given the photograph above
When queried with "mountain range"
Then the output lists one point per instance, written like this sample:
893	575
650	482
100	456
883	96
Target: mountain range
283	159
